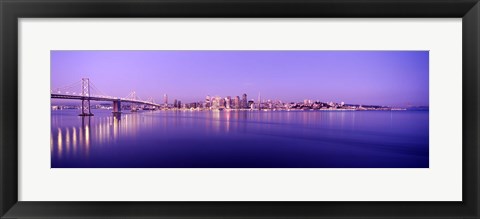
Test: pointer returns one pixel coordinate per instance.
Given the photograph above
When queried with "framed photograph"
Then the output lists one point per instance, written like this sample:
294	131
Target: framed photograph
256	109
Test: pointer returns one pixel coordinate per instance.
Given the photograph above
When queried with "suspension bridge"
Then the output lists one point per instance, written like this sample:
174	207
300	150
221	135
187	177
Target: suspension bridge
86	91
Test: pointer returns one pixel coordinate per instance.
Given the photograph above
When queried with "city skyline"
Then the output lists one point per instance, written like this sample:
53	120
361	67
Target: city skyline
386	78
229	103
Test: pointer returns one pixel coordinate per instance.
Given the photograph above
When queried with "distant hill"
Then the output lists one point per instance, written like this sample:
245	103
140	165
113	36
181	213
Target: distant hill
418	108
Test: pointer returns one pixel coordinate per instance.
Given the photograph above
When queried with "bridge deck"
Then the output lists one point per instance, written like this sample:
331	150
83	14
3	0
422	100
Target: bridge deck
96	98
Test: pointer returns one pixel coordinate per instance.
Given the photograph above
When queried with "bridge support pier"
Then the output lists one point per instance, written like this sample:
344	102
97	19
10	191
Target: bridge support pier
117	108
86	108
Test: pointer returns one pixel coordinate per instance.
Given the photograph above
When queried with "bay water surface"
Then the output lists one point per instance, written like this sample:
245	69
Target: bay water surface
240	139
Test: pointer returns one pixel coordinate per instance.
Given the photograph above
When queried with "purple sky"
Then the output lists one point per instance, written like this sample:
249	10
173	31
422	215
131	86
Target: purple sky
395	78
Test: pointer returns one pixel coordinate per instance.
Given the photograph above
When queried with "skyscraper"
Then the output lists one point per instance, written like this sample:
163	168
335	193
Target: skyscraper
236	102
259	102
165	100
228	102
222	103
207	102
251	104
215	102
244	101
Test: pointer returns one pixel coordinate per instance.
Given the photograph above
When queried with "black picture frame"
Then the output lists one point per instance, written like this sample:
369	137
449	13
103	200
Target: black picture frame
12	10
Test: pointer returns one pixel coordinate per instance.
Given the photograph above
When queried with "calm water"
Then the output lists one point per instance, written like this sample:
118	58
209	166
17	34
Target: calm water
240	139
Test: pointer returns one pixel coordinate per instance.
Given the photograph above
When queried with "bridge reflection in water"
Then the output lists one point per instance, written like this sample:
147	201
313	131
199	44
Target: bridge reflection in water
76	140
73	136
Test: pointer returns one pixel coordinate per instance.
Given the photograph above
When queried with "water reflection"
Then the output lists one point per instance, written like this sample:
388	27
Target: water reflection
74	138
77	135
59	143
216	138
82	133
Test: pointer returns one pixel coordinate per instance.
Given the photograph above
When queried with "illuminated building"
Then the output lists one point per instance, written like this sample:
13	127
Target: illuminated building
215	102
207	102
228	102
236	102
251	104
222	103
244	101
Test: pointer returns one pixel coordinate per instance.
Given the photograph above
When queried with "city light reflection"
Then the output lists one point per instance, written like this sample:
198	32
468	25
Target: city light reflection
74	139
96	132
87	138
67	140
116	122
59	142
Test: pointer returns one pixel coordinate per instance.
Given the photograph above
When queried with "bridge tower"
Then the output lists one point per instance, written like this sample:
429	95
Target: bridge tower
86	98
133	106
